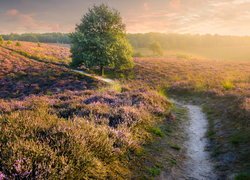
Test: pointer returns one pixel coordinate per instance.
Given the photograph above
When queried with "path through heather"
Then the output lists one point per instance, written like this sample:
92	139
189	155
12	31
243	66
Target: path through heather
198	164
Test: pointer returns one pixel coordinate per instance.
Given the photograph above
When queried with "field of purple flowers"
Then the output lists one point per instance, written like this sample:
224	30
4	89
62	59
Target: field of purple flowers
59	124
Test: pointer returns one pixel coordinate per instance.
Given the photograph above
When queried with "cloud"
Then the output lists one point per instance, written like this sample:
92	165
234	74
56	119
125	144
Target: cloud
175	4
27	22
12	12
179	16
146	6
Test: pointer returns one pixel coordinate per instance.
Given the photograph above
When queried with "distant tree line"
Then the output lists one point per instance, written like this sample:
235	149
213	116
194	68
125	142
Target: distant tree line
44	38
165	41
178	41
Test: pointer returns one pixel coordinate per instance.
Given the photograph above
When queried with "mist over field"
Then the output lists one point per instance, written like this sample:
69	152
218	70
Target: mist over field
109	89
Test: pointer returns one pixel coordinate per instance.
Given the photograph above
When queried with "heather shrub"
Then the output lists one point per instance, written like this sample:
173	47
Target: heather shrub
50	147
76	134
9	42
18	44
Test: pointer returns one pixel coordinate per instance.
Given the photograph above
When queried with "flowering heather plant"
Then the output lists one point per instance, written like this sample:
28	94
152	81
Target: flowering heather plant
65	135
21	77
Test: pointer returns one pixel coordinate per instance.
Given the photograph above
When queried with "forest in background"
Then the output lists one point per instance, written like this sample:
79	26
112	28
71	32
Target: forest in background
182	45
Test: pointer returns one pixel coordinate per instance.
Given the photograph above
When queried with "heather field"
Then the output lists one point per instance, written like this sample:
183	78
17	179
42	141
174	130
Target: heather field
41	51
119	90
59	124
89	124
221	87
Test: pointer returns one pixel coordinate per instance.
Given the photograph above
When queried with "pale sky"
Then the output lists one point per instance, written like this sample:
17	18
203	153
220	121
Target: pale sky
226	17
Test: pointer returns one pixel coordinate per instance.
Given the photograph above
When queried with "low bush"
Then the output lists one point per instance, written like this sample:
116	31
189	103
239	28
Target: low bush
1	40
227	85
18	44
76	134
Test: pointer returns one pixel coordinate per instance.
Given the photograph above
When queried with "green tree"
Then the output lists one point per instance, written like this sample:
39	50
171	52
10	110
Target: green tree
100	41
156	48
1	40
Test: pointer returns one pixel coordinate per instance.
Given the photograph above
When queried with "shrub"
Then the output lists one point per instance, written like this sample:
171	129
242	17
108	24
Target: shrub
137	54
157	131
9	42
18	44
227	85
50	147
1	40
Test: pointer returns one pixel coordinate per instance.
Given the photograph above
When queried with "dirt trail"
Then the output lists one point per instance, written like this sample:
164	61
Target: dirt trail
106	80
197	165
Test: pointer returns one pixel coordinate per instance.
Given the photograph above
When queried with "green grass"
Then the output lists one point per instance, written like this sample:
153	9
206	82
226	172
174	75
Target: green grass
175	146
242	176
240	137
156	131
154	171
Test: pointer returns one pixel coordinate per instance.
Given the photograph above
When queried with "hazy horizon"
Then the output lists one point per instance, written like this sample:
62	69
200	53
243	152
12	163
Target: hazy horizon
227	17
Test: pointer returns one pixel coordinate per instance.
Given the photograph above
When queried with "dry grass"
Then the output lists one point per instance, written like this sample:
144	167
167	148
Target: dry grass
224	86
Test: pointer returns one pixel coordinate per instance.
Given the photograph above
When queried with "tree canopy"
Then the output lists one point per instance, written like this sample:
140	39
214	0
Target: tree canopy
100	41
156	48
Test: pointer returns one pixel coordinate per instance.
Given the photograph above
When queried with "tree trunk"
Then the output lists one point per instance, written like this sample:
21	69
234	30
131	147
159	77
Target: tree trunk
101	70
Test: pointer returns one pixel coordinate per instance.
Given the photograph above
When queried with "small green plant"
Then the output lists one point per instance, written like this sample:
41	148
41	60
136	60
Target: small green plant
175	146
172	161
137	54
240	137
227	85
242	176
9	42
154	171
18	44
157	131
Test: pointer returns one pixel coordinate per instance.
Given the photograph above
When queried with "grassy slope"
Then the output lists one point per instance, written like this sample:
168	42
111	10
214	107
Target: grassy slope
55	123
222	86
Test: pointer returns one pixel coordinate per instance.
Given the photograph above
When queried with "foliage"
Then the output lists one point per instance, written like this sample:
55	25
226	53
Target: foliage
1	40
154	171
18	44
157	131
227	85
45	37
9	42
156	49
100	41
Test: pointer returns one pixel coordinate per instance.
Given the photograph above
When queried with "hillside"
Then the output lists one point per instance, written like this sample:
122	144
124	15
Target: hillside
56	123
89	124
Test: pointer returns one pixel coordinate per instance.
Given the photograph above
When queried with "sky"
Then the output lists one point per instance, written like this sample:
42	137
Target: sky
225	17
